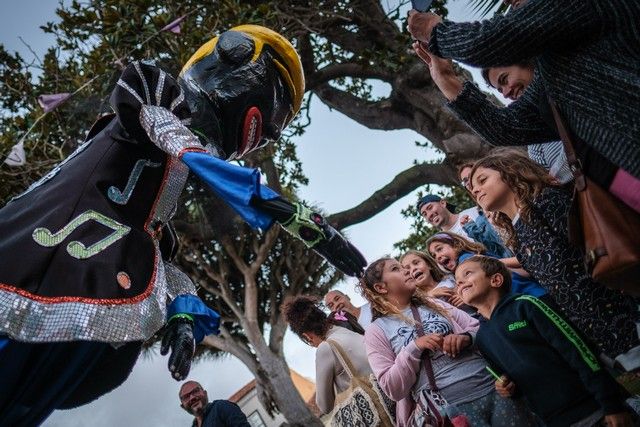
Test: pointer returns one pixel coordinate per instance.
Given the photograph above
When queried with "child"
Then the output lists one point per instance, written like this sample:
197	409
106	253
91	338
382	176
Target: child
534	211
537	352
428	276
395	351
449	249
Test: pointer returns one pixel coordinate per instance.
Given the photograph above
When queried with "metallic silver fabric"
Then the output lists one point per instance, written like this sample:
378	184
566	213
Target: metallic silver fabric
166	131
178	283
167	200
25	319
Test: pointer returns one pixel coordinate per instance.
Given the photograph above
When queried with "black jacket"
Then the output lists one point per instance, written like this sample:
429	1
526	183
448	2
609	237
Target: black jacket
222	413
549	361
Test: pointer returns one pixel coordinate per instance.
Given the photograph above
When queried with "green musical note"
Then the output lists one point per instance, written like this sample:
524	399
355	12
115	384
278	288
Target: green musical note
122	197
76	249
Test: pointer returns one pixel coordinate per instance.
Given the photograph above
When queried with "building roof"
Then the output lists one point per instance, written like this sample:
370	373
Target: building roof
305	387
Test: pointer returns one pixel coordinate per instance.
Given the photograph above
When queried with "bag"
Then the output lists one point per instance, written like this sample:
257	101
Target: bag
362	404
431	406
605	228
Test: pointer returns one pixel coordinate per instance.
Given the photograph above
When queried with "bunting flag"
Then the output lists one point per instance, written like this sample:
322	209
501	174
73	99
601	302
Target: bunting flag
174	26
16	156
49	102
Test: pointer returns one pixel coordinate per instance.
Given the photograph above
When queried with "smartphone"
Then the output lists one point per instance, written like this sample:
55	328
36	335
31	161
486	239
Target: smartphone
421	5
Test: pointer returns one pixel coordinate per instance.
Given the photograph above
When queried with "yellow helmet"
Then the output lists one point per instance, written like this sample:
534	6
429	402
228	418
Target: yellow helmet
243	87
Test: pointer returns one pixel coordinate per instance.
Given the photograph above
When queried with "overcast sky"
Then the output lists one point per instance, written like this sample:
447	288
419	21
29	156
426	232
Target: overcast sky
345	163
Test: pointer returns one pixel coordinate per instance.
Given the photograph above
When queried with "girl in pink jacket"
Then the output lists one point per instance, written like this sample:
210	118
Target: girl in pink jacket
395	351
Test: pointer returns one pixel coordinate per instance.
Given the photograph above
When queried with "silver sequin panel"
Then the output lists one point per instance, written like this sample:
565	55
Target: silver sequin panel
166	130
28	320
178	283
171	189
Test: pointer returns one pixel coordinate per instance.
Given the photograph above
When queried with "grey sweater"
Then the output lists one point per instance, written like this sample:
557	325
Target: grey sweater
587	56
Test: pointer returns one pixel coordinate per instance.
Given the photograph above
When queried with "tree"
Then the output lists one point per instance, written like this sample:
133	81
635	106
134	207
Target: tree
344	45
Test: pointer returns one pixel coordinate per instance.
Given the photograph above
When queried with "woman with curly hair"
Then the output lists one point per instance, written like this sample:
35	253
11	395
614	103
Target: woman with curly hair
534	211
395	352
313	327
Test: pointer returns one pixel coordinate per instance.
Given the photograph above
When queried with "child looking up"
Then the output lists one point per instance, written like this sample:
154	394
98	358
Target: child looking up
449	249
395	351
534	211
537	352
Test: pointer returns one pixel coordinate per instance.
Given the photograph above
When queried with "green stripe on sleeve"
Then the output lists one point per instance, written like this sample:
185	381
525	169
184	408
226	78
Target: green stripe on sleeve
586	354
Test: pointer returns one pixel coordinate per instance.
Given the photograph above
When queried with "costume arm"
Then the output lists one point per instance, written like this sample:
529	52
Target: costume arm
569	344
142	85
325	392
396	375
537	27
517	124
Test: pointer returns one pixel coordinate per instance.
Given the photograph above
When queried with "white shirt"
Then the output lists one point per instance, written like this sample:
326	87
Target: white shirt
457	227
365	316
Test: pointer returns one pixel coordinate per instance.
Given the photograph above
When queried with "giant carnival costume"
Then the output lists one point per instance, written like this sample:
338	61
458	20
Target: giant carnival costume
85	277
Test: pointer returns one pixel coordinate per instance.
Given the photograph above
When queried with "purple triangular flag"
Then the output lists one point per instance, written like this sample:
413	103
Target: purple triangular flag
17	156
174	26
50	101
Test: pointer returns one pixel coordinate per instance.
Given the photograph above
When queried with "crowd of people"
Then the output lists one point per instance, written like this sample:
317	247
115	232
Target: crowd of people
500	322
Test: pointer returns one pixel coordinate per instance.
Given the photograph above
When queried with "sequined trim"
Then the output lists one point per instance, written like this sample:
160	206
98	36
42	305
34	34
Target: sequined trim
160	87
33	318
122	197
44	236
178	283
175	177
177	101
166	131
129	89
145	86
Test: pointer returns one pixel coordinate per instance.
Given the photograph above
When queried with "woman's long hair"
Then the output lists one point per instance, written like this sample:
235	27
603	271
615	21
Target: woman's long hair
459	243
523	176
380	306
436	273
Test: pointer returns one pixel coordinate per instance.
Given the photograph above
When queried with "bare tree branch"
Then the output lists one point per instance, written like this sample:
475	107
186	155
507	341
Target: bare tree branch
382	115
404	183
347	69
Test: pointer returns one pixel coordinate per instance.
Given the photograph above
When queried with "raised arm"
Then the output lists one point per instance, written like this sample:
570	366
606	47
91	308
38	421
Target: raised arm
539	26
517	124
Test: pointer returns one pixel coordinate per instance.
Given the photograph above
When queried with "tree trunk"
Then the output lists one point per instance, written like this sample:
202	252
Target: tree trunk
274	374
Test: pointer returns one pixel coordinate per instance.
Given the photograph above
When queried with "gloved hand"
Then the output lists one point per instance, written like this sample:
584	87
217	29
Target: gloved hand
319	235
179	336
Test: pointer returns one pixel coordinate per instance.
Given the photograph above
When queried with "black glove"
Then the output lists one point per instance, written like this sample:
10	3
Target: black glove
315	232
179	336
319	235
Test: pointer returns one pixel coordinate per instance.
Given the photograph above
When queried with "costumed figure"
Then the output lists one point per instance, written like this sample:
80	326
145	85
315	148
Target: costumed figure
84	277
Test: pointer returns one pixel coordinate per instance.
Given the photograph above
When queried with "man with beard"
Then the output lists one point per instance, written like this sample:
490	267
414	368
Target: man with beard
219	413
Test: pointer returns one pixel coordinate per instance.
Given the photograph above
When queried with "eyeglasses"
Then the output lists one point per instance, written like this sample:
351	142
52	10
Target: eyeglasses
465	183
190	394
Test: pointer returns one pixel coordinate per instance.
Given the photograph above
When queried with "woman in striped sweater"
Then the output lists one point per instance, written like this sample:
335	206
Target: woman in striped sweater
587	59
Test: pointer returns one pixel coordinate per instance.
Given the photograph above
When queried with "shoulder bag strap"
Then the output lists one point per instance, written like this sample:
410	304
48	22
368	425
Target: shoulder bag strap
426	360
572	158
342	358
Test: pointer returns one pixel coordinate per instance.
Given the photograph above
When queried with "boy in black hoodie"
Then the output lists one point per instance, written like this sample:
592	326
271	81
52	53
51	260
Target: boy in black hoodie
538	353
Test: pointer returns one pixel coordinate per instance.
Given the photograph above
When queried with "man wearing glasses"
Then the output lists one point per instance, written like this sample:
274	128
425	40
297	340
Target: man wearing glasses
219	413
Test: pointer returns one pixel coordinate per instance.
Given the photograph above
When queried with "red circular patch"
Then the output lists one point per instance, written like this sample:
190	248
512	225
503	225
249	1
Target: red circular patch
123	280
